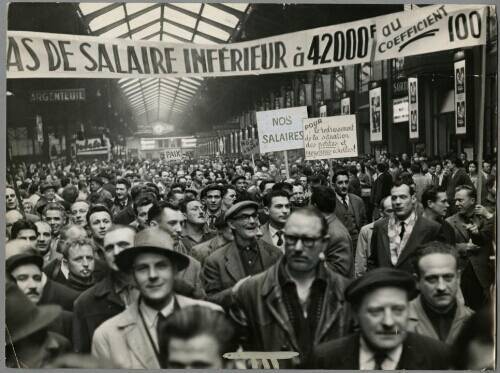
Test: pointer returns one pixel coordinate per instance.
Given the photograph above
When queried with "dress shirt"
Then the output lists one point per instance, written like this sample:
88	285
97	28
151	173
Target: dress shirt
275	237
397	245
151	317
367	357
346	199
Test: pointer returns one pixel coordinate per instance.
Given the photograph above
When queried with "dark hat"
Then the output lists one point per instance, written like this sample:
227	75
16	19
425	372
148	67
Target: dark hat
21	256
151	240
22	317
237	207
377	278
45	186
210	187
97	179
236	178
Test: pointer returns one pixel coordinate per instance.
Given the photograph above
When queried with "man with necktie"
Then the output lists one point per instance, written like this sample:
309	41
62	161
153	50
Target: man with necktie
277	206
380	303
395	238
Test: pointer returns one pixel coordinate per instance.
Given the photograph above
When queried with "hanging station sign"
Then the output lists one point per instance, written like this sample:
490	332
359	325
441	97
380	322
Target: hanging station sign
58	95
423	30
413	107
460	99
376	114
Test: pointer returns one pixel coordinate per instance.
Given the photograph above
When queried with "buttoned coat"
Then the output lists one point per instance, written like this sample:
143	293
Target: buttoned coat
420	323
260	312
223	268
123	340
424	231
339	251
358	208
480	260
419	353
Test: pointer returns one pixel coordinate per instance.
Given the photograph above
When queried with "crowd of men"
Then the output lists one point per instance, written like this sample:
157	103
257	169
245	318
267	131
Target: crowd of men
352	264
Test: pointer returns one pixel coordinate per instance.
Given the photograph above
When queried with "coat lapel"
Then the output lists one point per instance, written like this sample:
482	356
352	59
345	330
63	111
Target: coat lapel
410	357
410	244
137	340
234	266
385	239
329	313
267	255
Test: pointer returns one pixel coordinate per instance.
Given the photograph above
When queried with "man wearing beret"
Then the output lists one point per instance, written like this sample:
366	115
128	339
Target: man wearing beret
130	339
298	302
226	268
240	183
380	302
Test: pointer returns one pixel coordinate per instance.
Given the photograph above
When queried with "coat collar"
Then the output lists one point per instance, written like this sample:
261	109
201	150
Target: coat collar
105	288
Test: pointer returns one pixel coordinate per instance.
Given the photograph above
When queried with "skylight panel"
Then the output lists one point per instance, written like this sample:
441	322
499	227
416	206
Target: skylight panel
219	16
172	29
154	14
107	18
88	8
213	31
192	7
179	17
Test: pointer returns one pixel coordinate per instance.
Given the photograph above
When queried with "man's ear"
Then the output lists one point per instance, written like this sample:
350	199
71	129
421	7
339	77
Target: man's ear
230	224
266	210
153	223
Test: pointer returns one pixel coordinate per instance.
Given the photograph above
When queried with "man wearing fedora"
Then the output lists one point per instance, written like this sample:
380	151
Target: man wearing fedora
130	339
380	303
229	266
28	342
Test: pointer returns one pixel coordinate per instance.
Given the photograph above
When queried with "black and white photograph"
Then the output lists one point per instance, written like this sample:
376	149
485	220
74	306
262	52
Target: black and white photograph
163	209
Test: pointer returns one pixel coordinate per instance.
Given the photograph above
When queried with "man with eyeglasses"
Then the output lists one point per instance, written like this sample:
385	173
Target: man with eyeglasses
298	302
229	266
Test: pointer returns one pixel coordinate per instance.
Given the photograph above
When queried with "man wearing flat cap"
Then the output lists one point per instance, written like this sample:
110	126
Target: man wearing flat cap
240	183
380	302
226	268
130	339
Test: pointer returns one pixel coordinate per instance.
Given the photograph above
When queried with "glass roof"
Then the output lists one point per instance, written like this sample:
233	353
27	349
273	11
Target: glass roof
162	99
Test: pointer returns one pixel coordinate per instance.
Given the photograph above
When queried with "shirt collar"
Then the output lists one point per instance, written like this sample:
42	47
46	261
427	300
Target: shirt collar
339	197
367	355
273	231
409	220
151	315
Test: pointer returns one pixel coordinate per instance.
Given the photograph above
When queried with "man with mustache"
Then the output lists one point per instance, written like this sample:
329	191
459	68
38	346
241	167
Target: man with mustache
196	230
229	266
436	312
24	265
277	207
298	302
350	209
380	304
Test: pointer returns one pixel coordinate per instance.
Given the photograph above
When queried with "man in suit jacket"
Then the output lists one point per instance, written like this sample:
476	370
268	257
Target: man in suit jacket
223	237
131	339
267	306
338	253
474	234
395	239
228	267
458	176
350	209
277	207
380	301
381	187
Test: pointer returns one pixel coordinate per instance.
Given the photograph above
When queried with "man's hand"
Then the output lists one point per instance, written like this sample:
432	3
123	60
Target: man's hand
482	211
238	284
467	247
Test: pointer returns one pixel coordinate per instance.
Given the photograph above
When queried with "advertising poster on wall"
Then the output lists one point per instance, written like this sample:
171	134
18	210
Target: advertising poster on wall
376	114
413	107
460	100
345	105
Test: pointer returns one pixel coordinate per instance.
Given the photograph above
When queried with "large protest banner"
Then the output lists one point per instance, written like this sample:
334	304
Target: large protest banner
281	129
425	30
330	137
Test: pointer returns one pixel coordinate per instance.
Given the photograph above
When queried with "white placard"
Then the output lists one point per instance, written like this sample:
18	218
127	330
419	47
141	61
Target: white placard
376	114
413	125
400	110
330	137
322	111
460	99
345	105
281	129
249	146
173	154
